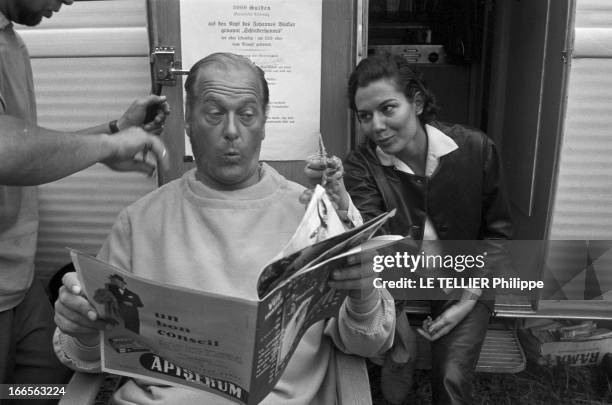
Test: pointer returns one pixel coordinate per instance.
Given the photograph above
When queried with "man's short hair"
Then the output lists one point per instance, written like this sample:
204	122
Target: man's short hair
225	60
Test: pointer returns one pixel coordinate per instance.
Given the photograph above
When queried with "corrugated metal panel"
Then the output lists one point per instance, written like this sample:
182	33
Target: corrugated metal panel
95	28
74	93
83	42
582	208
583	202
593	14
75	90
593	29
92	14
593	43
79	211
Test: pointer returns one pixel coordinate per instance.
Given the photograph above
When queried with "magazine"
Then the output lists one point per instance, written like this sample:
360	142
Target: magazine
230	346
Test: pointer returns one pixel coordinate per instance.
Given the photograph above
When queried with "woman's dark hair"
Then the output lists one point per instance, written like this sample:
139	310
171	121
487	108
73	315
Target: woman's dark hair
396	68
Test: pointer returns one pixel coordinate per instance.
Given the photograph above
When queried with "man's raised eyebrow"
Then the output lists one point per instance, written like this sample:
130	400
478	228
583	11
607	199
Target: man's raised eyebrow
211	97
207	86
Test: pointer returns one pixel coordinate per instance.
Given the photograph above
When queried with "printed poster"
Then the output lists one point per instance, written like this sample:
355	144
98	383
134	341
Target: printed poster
283	37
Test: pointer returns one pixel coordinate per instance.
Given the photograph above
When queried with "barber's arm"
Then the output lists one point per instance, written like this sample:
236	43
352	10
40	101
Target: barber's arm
135	116
32	155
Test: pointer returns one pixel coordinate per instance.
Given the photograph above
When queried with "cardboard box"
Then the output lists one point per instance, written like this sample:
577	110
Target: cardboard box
572	353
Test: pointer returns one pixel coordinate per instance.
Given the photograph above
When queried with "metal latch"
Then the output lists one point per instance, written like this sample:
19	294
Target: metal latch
164	67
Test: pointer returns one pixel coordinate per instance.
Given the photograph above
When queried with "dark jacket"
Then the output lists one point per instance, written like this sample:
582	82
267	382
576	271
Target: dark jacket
465	197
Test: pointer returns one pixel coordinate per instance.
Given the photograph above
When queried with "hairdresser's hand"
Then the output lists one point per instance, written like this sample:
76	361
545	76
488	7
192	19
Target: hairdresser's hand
74	315
448	319
328	172
136	113
357	278
126	151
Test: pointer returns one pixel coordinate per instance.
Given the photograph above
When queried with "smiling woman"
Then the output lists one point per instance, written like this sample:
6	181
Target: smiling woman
445	182
392	105
391	121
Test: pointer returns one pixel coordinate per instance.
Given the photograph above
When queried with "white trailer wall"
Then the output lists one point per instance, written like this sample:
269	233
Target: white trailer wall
583	200
582	206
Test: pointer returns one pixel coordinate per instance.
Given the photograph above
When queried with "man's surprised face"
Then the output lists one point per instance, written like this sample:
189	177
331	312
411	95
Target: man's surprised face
226	126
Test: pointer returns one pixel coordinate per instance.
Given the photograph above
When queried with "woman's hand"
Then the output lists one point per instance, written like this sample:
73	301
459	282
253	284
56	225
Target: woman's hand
327	171
74	315
447	320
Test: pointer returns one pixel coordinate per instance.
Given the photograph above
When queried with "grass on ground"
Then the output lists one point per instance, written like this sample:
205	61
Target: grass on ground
536	385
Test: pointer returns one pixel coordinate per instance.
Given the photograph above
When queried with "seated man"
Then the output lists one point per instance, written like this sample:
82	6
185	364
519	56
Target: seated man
213	229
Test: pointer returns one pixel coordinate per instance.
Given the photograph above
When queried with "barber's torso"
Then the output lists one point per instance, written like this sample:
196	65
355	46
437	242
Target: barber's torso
18	205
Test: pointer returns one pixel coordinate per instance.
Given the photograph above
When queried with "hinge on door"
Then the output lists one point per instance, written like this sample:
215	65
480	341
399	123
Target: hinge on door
165	68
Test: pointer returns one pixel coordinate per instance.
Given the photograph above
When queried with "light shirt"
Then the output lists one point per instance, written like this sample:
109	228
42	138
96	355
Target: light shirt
18	205
190	235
